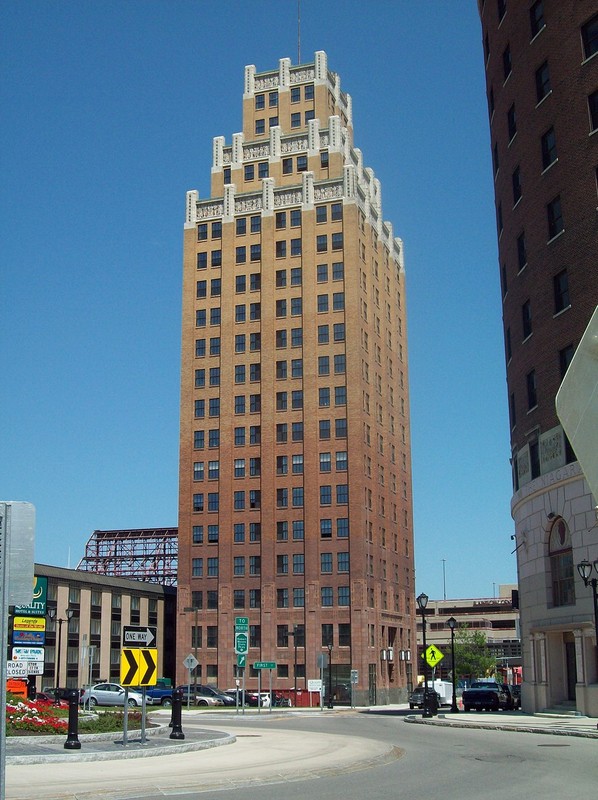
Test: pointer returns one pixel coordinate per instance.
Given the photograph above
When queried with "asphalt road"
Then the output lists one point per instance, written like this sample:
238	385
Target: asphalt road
437	764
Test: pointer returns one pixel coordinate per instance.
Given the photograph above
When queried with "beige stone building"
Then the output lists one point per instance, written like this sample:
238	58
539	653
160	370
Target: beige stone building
295	470
78	621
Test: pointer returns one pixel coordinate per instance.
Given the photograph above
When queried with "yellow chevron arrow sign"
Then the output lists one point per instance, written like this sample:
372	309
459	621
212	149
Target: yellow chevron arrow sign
139	666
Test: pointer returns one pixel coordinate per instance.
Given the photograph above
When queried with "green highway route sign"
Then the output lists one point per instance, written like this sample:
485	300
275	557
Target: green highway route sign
241	660
241	624
241	644
264	665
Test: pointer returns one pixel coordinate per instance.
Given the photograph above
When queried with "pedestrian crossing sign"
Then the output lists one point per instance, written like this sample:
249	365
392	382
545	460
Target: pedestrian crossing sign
433	656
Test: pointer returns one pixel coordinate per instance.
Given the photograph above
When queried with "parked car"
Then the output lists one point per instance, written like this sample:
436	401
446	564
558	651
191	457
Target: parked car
197	699
212	691
487	695
63	693
416	698
110	694
45	699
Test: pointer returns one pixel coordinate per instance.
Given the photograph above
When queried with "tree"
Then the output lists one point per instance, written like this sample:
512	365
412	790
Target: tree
472	656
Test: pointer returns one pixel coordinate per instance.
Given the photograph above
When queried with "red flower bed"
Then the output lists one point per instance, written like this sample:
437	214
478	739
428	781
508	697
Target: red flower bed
26	715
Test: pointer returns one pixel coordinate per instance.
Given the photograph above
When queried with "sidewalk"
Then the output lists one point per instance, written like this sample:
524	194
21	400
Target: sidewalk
551	724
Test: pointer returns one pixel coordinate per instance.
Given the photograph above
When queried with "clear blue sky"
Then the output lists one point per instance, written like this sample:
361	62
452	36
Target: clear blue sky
108	114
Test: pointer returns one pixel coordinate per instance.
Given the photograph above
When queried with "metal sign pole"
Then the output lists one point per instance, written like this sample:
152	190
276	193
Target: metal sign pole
4	509
189	689
270	688
259	691
126	718
243	690
143	712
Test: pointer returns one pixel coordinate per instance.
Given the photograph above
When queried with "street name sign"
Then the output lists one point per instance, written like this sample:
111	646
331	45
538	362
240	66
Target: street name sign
139	636
264	665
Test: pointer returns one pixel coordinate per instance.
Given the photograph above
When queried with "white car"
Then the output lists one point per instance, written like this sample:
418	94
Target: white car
110	694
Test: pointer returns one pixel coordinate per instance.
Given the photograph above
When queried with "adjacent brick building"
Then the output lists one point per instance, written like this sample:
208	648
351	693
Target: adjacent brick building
541	62
295	476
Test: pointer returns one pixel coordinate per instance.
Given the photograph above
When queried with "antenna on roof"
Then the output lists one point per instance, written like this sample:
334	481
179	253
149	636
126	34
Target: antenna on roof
298	31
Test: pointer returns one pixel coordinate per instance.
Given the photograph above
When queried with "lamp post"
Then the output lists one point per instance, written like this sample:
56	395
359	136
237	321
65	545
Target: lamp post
452	623
52	615
293	633
585	570
194	637
422	602
330	675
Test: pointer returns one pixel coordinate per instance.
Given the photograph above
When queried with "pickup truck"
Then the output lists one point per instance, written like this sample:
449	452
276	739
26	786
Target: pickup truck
159	695
487	695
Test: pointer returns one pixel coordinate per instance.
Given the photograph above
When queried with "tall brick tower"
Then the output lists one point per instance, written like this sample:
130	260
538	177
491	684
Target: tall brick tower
541	62
295	477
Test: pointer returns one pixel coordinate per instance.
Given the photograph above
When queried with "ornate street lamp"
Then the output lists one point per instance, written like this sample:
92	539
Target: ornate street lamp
52	615
422	602
452	623
585	571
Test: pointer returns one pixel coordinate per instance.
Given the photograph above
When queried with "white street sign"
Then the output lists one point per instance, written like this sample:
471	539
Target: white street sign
17	669
314	686
35	667
28	654
190	662
134	636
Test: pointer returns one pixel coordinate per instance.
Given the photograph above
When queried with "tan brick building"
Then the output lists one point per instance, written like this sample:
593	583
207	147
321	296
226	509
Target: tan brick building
541	63
295	475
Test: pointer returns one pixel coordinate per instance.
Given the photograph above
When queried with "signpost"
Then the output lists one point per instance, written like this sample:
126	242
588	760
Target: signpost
17	539
190	662
259	666
241	650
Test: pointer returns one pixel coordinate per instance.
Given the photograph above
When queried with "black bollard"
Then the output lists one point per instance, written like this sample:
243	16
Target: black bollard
72	740
177	715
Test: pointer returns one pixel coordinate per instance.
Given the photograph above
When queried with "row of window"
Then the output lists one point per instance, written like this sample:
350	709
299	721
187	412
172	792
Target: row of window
282	531
272	97
253	312
285	637
252	499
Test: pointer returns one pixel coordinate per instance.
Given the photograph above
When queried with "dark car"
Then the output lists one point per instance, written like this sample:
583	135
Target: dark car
212	691
416	698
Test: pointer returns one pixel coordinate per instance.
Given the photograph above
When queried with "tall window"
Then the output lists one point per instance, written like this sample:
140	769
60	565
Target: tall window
536	17
593	109
542	82
589	36
548	148
561	291
555	217
561	564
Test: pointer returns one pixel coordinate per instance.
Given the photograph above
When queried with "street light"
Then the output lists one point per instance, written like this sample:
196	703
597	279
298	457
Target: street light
293	633
422	602
194	637
330	675
585	570
452	623
52	615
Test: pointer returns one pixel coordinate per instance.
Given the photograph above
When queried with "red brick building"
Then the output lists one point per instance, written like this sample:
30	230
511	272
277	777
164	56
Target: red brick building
541	63
295	475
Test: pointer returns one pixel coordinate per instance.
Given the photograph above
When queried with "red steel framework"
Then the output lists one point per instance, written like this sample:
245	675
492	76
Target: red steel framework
144	554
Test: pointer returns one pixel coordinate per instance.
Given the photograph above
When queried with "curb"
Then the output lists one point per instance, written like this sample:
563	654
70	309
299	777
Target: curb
413	720
119	755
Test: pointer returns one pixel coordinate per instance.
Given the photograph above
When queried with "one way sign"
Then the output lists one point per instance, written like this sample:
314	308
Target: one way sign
136	636
139	667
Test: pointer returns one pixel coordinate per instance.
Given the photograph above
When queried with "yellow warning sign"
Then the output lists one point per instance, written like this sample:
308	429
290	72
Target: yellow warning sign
433	656
139	666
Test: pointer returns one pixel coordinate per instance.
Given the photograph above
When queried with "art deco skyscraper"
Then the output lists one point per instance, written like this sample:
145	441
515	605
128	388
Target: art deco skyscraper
295	475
